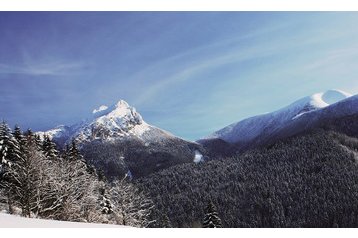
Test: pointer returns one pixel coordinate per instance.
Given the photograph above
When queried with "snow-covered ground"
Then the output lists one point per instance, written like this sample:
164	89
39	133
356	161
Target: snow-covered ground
13	221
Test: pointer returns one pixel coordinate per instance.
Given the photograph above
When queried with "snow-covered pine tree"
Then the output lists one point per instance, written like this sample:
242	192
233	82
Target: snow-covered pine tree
10	157
49	148
38	141
9	148
4	163
211	218
18	135
105	202
72	153
29	134
4	150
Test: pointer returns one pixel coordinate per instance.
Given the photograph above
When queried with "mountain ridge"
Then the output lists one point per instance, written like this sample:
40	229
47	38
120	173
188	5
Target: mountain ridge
303	114
292	111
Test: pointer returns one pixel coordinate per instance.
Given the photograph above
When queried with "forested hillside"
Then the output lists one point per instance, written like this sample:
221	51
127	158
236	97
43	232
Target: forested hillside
309	180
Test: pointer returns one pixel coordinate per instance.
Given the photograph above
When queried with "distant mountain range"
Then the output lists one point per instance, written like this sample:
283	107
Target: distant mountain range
118	141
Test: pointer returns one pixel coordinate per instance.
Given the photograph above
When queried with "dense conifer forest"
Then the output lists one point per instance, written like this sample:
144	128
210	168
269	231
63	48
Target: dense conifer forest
309	180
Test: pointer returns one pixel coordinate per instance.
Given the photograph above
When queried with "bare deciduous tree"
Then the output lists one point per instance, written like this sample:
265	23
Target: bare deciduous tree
131	206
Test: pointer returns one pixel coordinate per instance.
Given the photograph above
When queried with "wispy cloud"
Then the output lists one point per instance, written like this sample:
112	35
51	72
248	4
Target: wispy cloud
333	58
210	57
51	68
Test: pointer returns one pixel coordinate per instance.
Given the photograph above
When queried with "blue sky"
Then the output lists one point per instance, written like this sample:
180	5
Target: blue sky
190	73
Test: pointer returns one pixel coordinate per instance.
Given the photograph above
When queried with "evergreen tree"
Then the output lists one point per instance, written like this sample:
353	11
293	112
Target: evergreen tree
28	132
36	138
38	142
211	219
166	222
11	157
105	202
18	135
9	147
4	149
49	148
73	153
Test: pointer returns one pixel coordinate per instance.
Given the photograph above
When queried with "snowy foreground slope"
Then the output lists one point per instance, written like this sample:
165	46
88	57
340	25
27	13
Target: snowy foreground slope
13	221
301	115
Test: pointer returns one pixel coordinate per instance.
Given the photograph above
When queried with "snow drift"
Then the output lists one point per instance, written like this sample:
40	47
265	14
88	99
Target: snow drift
13	221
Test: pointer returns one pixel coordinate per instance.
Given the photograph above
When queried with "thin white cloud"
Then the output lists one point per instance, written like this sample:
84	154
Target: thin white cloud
211	57
51	68
181	57
332	58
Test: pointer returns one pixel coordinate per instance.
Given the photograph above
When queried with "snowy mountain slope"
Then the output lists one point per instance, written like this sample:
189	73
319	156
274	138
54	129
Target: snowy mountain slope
13	221
108	124
116	140
335	113
296	117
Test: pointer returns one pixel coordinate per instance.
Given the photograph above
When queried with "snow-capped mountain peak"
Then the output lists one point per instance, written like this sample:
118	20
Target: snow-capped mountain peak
119	109
118	120
322	99
106	123
122	110
317	101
